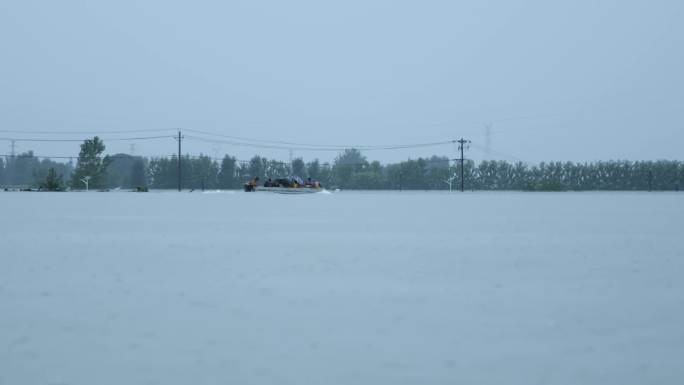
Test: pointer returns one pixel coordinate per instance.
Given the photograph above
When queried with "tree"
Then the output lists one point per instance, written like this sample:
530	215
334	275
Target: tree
21	169
227	177
298	167
52	181
163	172
347	164
325	176
371	178
202	173
313	169
138	178
90	163
119	171
257	167
276	169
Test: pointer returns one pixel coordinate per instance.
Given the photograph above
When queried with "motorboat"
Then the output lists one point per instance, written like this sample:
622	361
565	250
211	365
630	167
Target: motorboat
292	185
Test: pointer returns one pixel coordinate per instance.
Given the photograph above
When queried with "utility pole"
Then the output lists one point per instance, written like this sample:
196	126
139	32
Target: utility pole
179	139
13	144
461	145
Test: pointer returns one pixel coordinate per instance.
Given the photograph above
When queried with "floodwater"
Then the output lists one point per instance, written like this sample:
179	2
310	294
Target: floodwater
341	288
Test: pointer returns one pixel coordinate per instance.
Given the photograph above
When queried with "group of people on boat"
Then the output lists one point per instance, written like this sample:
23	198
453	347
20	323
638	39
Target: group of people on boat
294	182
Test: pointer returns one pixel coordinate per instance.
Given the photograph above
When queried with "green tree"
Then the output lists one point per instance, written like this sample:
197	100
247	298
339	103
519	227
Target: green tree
276	169
298	167
313	169
92	164
370	178
138	179
257	167
21	169
40	170
119	170
227	177
202	172
52	182
325	175
346	164
162	172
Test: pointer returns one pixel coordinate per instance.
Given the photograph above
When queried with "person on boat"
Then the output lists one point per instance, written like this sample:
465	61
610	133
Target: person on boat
297	182
253	183
268	183
308	183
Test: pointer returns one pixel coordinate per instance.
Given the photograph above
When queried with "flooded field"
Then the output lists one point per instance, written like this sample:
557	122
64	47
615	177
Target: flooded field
341	288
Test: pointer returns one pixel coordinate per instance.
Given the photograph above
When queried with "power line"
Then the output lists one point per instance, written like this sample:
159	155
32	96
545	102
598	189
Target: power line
233	140
330	148
251	139
315	146
81	140
96	132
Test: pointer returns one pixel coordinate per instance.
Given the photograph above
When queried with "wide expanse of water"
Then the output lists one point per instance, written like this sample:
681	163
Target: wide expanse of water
342	288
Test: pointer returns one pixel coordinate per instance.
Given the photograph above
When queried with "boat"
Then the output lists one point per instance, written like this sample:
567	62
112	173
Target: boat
285	190
292	185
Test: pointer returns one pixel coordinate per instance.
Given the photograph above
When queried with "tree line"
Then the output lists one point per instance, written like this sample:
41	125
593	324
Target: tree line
349	170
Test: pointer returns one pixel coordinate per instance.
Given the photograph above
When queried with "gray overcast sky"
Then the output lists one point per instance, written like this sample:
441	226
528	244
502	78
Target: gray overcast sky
596	79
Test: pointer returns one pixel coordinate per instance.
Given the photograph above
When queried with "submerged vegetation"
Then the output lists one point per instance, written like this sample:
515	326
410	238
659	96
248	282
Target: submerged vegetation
349	170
